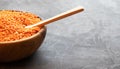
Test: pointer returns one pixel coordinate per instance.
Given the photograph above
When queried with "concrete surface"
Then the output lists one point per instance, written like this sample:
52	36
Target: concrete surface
88	40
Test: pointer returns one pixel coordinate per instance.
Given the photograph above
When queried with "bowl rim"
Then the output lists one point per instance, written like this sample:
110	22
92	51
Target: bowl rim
25	39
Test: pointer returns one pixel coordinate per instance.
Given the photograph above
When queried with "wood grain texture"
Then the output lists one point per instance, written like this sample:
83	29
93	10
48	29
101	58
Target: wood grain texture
85	41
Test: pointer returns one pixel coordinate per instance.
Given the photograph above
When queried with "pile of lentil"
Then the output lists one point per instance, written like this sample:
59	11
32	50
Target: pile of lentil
12	25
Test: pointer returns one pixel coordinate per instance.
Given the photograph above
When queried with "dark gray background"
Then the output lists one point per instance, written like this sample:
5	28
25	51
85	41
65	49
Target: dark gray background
88	40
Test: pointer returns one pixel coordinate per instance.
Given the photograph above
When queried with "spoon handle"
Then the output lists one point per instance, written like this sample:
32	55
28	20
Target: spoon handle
58	17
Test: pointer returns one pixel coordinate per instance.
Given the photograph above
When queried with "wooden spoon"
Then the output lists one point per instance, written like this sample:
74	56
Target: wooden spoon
57	17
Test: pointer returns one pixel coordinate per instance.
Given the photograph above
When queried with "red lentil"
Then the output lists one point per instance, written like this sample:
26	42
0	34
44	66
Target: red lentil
12	25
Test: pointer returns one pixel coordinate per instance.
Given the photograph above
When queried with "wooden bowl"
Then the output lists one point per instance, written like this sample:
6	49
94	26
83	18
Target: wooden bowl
19	49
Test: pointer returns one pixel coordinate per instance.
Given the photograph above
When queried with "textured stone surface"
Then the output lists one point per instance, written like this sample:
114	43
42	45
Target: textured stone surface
89	40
